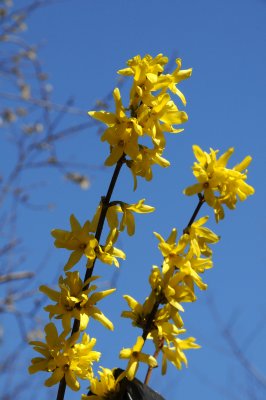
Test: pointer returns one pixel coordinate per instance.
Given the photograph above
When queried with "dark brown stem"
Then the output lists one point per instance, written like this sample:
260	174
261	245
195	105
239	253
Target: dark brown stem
194	215
61	389
105	200
149	322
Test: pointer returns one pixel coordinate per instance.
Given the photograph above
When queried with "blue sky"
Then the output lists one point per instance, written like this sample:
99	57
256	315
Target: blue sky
83	44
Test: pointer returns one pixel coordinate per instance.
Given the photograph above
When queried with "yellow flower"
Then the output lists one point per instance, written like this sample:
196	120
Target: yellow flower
144	161
164	332
219	184
168	312
187	265
170	288
79	240
111	217
171	80
149	77
145	71
72	301
135	357
175	353
127	219
83	356
104	388
128	216
122	132
108	254
150	114
168	331
198	237
158	116
188	272
139	313
64	358
143	68
171	251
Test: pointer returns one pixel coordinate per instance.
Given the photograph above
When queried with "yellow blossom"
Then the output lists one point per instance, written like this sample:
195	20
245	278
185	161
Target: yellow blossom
72	301
135	357
165	332
171	251
168	312
151	114
139	312
148	76
144	161
111	217
127	219
128	216
175	353
145	71
170	288
159	116
122	132
187	264
105	387
188	272
219	184
64	358
79	240
108	253
171	80
198	236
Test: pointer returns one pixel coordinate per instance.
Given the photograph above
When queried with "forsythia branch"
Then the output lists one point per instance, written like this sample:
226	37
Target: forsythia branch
151	112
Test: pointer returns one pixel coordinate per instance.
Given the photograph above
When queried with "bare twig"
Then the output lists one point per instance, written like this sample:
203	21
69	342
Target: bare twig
16	276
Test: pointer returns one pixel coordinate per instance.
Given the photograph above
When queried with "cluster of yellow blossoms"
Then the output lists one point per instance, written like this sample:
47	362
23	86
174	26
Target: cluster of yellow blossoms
64	357
82	241
76	300
171	285
150	113
219	184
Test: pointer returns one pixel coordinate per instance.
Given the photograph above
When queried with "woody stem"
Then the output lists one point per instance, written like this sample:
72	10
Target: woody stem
155	355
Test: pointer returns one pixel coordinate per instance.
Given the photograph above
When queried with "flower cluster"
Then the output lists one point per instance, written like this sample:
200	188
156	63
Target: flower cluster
185	260
64	358
107	385
219	184
81	241
76	301
150	112
173	284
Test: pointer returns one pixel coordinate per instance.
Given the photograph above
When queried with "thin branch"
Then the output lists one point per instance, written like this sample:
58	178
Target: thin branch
13	276
44	104
244	361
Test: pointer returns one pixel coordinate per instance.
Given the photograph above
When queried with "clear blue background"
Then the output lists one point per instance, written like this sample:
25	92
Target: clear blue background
84	44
